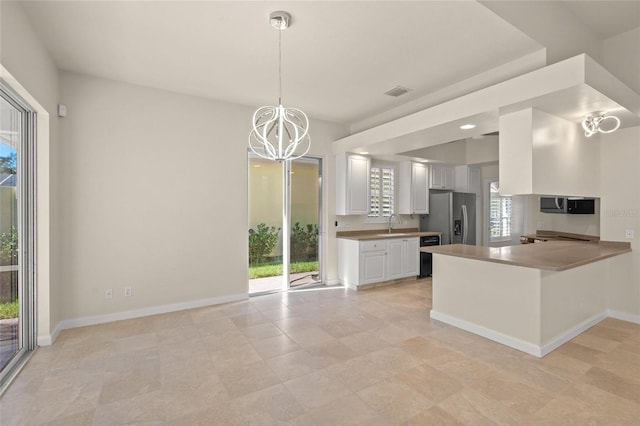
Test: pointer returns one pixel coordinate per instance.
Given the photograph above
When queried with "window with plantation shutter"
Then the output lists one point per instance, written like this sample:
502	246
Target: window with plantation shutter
499	214
381	189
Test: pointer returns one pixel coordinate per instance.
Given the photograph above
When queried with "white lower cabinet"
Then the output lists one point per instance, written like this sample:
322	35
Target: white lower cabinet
373	267
411	257
374	261
396	254
404	257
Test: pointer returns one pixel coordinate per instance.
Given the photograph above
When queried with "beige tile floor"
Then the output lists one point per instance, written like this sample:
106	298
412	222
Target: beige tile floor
325	357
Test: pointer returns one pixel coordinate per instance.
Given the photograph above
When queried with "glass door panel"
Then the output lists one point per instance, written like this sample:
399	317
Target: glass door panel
305	221
10	121
265	225
17	333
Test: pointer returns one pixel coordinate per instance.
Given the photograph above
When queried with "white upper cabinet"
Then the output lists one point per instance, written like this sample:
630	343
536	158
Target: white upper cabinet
413	188
468	179
442	177
352	184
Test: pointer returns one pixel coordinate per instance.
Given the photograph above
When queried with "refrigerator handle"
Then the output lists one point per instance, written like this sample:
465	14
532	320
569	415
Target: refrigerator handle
465	224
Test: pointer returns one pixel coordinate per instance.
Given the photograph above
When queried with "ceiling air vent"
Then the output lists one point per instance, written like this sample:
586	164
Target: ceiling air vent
397	91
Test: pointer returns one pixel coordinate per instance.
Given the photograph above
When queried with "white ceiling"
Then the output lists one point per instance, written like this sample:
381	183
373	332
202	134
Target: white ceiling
339	57
606	18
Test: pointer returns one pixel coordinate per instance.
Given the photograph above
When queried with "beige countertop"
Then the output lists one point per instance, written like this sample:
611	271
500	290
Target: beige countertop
550	255
543	235
378	234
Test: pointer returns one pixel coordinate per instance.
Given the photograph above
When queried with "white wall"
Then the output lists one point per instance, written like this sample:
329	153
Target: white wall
620	210
620	57
541	153
29	69
482	150
565	162
154	188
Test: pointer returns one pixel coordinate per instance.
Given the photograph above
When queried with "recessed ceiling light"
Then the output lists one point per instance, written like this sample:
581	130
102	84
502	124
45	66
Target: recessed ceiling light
363	152
467	126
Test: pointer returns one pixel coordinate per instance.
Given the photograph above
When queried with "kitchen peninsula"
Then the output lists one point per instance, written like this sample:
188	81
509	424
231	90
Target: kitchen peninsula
531	297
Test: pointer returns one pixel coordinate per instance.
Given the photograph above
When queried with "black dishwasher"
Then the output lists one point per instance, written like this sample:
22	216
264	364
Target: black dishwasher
425	258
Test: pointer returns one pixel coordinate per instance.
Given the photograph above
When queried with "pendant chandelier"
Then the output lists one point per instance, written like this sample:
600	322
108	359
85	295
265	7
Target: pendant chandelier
594	124
279	133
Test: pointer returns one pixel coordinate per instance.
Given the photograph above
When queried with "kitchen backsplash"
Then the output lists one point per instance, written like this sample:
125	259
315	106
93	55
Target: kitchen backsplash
361	223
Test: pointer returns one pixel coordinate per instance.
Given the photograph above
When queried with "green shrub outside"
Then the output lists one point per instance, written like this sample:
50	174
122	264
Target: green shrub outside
304	250
9	279
9	310
9	248
304	242
262	241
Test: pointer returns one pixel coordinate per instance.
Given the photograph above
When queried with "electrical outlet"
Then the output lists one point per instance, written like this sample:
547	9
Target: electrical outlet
108	294
127	291
628	234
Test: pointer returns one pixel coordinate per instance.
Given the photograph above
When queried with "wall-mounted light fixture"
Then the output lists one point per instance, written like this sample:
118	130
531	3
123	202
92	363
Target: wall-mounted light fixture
601	123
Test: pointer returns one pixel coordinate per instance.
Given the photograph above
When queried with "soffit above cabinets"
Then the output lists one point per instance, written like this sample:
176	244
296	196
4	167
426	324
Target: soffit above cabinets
571	89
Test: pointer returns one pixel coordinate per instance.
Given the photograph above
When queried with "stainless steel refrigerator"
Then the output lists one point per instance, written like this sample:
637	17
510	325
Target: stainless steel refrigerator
453	214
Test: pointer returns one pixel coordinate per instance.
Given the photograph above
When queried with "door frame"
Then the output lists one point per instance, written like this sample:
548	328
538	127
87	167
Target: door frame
27	233
286	223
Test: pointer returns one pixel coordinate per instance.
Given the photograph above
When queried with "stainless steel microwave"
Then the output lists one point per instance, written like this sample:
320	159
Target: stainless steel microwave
567	205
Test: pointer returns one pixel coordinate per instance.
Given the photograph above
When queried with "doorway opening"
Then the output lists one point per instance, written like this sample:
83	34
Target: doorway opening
285	202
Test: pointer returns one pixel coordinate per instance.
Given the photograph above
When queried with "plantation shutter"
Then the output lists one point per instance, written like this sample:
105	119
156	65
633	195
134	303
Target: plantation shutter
499	213
381	192
374	189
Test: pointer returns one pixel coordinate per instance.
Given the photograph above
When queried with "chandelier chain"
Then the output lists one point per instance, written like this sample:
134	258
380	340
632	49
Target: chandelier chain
280	67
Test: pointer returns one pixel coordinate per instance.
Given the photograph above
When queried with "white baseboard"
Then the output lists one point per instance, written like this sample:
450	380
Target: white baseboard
490	334
624	316
572	332
137	313
521	345
48	339
334	281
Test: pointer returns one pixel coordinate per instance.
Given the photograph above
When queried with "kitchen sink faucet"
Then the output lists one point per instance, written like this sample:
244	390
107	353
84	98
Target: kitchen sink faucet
391	217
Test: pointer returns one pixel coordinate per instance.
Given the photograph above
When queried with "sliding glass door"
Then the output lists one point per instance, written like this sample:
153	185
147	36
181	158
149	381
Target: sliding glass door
17	231
306	201
265	225
284	224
